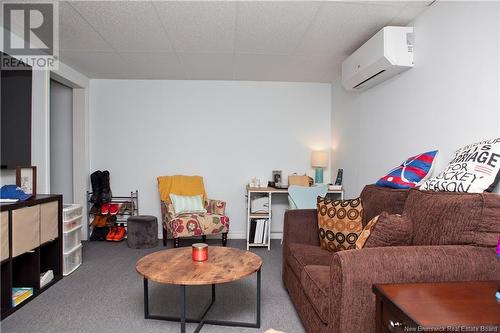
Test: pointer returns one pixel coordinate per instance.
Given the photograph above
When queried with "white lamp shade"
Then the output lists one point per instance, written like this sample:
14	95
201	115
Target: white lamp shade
319	159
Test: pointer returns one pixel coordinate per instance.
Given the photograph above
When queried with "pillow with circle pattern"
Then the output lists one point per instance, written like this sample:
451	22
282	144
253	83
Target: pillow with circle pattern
412	172
340	223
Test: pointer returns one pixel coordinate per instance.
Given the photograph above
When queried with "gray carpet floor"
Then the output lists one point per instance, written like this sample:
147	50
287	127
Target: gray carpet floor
106	295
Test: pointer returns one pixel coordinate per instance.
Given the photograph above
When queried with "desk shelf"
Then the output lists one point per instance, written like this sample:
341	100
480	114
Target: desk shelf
254	192
260	215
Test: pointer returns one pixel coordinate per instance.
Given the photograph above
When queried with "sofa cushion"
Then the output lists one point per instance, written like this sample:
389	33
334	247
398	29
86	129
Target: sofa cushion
301	255
366	232
381	199
339	223
185	225
386	230
315	280
448	218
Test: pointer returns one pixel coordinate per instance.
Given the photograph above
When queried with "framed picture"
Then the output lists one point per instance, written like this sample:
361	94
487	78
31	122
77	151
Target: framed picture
26	179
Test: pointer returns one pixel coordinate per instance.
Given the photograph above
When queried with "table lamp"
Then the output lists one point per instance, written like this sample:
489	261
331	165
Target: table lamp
319	160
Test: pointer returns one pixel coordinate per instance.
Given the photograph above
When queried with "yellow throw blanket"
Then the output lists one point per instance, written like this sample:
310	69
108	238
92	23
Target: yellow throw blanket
180	185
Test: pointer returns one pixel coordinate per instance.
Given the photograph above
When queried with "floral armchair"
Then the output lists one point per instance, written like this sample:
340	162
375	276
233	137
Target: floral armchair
214	221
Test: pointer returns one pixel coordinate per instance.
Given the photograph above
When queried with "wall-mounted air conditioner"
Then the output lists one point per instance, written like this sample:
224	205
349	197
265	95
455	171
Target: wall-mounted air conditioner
387	53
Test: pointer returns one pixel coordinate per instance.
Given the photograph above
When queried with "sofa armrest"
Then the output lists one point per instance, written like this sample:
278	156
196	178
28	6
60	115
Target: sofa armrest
301	226
216	206
353	273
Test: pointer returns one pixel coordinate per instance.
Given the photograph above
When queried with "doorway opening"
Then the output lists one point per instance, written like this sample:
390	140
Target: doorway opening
61	140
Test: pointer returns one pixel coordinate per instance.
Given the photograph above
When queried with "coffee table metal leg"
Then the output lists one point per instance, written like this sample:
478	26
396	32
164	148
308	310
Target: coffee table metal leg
183	309
201	320
146	299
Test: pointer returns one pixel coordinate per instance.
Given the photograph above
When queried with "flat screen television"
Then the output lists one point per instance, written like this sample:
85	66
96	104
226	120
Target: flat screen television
15	117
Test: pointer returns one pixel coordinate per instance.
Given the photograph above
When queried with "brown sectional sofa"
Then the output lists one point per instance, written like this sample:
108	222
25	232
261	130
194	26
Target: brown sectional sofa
454	236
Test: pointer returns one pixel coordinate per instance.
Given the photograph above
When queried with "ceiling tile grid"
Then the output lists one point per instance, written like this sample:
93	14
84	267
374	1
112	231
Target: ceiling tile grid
221	40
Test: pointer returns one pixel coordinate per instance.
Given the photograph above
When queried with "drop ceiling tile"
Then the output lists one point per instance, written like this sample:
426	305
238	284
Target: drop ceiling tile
207	66
97	65
340	28
126	25
76	34
155	65
199	27
272	27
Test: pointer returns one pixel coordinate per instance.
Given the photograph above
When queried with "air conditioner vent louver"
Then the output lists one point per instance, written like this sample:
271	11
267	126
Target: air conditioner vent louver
371	77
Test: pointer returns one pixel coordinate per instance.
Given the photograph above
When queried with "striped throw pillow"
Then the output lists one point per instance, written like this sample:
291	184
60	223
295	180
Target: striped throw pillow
187	204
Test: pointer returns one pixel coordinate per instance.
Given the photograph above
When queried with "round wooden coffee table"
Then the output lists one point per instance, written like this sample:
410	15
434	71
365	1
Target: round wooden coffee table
175	266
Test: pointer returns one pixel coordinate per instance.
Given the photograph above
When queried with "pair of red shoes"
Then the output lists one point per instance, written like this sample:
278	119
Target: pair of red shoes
116	234
110	208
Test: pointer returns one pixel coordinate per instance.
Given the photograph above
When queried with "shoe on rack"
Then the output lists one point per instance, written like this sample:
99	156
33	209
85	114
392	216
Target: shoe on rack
95	209
126	208
111	220
120	234
114	208
99	233
99	221
95	180
105	209
111	234
106	194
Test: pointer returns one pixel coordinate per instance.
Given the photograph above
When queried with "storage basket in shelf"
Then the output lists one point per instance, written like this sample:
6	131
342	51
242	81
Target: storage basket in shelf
72	260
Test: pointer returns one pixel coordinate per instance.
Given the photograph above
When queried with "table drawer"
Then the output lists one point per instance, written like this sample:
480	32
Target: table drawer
48	221
4	235
25	229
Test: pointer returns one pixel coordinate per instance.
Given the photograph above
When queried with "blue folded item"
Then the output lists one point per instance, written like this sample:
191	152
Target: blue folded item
13	192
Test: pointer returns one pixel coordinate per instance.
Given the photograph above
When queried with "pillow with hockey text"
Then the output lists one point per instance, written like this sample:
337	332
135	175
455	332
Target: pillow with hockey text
474	168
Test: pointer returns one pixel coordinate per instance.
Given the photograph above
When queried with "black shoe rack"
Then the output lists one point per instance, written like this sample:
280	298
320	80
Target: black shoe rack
131	201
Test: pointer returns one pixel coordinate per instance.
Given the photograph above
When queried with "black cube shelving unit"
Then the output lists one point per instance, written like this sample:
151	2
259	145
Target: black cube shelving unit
23	270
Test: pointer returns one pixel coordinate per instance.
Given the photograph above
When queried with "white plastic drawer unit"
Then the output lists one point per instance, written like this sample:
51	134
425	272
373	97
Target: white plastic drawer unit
72	224
72	260
71	211
72	238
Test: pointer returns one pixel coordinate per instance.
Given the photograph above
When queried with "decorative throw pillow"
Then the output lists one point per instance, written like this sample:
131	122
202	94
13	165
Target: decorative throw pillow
339	223
187	204
366	232
386	230
475	168
411	172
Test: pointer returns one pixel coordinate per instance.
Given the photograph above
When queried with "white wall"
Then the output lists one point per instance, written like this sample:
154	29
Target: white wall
449	99
226	131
